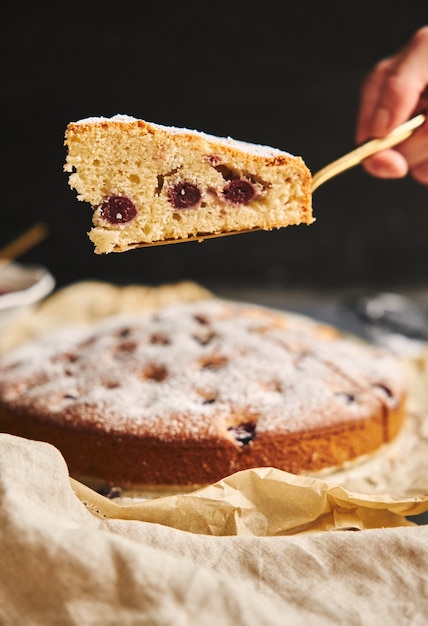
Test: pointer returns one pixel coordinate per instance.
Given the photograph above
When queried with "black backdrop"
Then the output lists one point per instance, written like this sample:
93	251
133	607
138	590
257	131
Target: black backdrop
283	74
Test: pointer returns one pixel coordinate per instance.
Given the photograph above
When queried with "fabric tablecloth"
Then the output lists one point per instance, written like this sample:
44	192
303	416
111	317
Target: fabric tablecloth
62	563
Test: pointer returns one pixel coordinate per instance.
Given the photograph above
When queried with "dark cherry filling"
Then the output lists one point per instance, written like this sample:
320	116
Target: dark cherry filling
243	433
118	209
209	401
184	195
386	390
3	292
348	398
239	192
124	332
212	159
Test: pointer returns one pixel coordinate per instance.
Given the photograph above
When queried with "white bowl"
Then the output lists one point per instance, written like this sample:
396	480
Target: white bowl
21	287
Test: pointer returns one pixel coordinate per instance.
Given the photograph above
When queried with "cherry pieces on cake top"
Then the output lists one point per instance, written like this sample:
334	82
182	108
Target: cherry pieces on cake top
193	392
149	183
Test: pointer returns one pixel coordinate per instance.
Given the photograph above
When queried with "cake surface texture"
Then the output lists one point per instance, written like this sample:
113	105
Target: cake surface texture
196	391
150	183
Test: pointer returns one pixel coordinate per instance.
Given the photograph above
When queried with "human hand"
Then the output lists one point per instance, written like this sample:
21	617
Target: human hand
395	90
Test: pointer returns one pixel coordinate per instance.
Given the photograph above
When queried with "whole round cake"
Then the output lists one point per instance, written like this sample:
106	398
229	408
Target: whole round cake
193	392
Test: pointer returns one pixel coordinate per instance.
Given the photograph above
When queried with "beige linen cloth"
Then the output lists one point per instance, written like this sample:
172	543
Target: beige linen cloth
260	547
62	564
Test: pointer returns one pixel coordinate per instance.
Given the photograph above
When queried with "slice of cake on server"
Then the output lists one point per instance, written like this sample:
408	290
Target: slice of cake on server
149	183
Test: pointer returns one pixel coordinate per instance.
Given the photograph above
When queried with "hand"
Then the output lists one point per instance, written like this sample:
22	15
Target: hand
395	90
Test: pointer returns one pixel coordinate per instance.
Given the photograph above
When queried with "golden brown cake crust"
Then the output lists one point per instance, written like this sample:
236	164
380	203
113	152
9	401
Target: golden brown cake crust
196	391
151	183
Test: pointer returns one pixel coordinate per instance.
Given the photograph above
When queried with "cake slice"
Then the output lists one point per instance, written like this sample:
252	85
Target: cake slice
149	183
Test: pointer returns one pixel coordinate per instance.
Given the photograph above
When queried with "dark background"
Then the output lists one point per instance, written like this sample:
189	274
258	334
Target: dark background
282	74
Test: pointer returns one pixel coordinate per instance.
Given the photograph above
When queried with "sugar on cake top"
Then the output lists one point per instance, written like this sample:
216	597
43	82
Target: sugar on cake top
196	391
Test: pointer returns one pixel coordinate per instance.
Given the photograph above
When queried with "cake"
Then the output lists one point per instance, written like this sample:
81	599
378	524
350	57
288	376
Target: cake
196	391
149	183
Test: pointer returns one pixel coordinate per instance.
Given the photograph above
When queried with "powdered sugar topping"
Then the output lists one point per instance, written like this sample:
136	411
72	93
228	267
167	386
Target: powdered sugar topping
194	370
243	146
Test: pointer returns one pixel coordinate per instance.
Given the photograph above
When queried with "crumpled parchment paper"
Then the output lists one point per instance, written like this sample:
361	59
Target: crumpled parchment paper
262	502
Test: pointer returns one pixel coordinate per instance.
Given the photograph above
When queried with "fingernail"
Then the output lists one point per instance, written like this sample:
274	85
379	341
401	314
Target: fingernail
380	125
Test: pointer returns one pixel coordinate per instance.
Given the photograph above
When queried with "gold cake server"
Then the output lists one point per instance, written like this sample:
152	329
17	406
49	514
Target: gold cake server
346	162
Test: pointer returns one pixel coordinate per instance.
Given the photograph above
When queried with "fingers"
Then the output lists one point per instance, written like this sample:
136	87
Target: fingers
420	173
387	164
393	90
415	152
368	100
396	89
410	156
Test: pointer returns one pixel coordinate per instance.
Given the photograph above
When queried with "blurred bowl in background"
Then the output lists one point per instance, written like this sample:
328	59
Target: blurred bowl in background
21	287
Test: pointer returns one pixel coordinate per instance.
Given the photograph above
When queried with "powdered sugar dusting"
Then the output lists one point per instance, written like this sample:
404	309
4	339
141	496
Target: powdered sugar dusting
243	146
194	370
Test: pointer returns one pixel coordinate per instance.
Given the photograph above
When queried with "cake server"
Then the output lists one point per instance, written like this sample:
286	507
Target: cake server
349	160
346	162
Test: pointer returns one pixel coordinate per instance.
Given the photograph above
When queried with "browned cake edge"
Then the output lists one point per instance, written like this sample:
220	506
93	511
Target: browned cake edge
127	460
